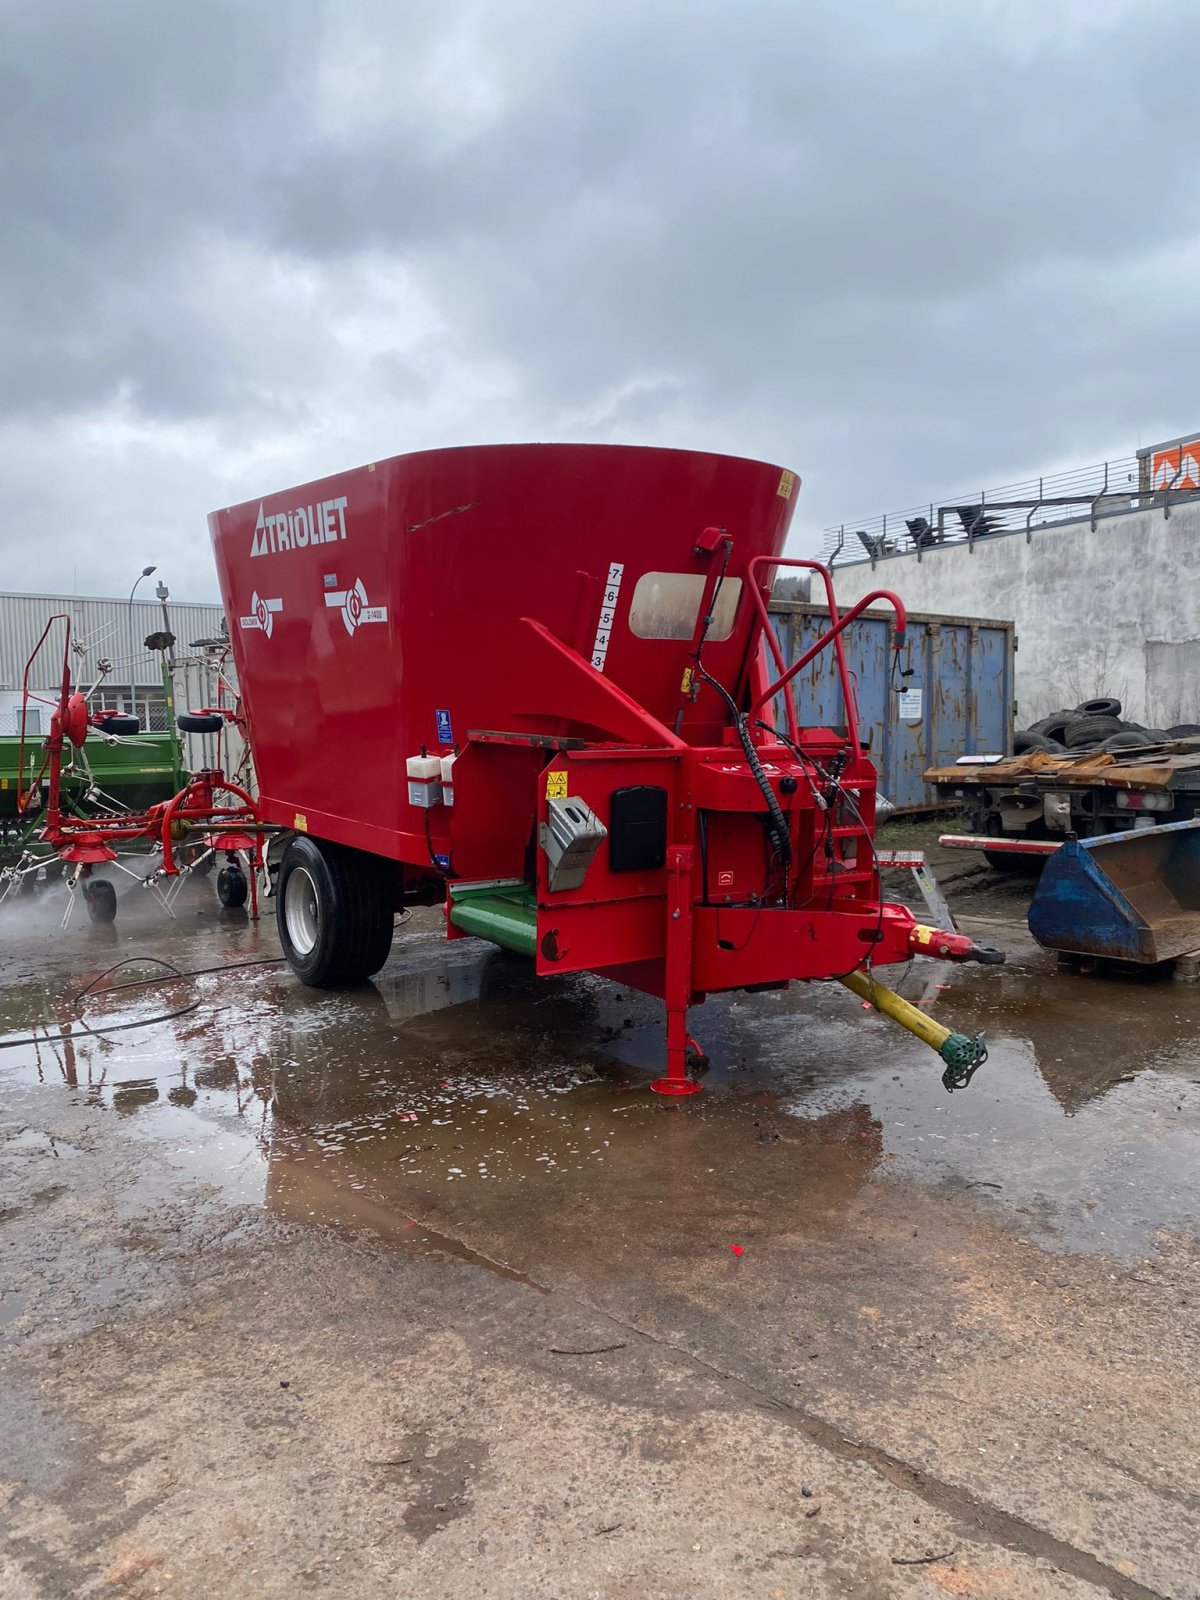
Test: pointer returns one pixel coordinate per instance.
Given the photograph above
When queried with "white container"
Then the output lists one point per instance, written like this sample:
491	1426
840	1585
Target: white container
448	779
424	781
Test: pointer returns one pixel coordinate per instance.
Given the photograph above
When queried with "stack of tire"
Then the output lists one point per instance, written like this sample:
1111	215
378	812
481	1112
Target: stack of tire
1095	725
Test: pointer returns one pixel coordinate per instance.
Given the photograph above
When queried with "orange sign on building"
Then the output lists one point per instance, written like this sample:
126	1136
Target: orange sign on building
1174	465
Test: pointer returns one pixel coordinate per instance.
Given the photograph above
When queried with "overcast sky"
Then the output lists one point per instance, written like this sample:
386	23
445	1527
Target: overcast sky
901	246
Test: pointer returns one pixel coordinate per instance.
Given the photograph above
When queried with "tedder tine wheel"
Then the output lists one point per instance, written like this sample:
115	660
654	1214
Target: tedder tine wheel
333	910
101	900
232	887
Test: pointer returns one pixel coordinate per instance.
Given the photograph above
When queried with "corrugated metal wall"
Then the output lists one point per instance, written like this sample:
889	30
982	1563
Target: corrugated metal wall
957	702
103	628
196	682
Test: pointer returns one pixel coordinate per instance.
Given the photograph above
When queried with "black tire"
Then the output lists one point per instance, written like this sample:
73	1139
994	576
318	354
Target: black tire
1029	740
335	918
194	722
1054	726
1126	740
1088	731
119	725
1103	707
1185	730
1014	866
100	898
232	887
1156	736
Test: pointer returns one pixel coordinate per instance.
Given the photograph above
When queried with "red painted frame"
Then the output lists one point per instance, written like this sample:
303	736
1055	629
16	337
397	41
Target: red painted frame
91	841
499	581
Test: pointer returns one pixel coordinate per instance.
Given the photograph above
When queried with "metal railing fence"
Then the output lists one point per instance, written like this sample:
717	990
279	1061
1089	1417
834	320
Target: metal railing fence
1095	491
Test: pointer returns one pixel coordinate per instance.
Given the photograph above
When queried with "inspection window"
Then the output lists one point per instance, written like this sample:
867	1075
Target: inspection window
665	605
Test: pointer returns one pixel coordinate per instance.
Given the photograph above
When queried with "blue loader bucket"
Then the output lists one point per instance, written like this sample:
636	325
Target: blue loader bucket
1126	896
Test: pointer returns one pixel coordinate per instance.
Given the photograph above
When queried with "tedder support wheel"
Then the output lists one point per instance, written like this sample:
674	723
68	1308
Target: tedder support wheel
101	899
232	887
334	913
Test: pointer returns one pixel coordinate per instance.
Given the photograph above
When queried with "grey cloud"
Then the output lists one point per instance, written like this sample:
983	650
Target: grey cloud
901	246
133	131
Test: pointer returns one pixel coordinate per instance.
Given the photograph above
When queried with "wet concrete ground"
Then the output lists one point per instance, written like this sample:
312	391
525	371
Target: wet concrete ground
417	1289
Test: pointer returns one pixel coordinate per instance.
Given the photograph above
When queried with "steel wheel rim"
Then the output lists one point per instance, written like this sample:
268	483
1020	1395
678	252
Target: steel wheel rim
301	911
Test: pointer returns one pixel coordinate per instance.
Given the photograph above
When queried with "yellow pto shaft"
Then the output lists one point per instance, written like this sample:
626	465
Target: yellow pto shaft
963	1056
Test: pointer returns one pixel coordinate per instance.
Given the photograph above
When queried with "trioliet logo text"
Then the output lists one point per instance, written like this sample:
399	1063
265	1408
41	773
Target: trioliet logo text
324	522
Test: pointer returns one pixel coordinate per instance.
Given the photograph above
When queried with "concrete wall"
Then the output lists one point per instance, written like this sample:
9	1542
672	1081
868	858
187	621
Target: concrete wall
1115	611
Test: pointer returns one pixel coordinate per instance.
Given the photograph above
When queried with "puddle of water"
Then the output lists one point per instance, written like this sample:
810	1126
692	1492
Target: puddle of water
460	1088
31	1141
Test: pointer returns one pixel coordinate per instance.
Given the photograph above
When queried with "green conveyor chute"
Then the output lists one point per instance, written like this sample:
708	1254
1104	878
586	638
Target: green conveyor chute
507	917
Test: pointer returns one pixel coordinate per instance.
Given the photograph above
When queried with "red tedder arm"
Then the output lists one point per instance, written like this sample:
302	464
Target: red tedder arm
831	636
55	740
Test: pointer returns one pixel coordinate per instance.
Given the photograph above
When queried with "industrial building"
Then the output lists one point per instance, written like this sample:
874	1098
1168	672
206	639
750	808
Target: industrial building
111	631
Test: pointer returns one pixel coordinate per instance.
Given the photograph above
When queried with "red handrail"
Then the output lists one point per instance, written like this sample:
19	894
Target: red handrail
831	636
54	741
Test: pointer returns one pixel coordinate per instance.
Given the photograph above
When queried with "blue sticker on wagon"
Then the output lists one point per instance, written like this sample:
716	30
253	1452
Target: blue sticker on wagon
444	730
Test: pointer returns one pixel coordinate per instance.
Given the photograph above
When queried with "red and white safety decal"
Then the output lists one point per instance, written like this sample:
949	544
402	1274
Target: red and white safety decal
262	614
354	607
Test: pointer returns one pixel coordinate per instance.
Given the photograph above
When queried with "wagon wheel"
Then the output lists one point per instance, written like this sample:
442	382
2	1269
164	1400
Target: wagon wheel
334	913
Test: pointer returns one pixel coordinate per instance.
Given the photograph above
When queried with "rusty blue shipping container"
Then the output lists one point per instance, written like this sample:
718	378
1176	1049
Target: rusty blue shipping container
958	700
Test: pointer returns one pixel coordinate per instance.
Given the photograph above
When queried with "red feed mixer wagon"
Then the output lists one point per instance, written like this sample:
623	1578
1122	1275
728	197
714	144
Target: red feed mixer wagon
536	684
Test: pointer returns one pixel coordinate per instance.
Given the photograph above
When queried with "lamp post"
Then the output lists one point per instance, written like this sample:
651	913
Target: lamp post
164	594
145	573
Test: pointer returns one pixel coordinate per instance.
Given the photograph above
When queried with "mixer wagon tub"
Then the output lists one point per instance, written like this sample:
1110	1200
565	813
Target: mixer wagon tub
533	684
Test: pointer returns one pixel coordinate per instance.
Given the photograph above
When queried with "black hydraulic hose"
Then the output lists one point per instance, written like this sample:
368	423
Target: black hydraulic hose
777	822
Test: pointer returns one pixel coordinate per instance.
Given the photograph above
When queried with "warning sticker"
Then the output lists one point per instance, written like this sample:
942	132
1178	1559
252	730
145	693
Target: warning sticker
686	686
787	482
911	705
556	786
445	732
300	822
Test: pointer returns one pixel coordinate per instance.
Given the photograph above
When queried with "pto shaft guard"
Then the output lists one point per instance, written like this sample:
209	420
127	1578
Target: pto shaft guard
942	946
962	1055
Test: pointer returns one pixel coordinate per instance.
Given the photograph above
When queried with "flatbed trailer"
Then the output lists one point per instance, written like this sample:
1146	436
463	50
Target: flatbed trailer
1041	796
